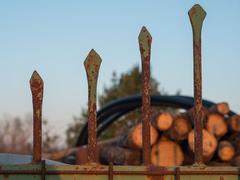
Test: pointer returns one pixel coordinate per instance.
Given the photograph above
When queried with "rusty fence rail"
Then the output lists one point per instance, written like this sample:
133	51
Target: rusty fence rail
92	66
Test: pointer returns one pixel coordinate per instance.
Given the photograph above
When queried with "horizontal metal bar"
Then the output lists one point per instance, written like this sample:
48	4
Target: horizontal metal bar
106	172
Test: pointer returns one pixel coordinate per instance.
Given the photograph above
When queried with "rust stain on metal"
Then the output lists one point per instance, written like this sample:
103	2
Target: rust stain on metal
197	15
36	84
145	41
92	65
110	167
154	173
110	171
221	178
151	169
5	177
43	169
177	176
160	177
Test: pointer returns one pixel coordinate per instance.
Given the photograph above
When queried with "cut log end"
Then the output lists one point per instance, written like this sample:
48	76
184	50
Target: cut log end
234	123
167	153
222	108
180	128
216	124
225	151
163	121
209	144
134	139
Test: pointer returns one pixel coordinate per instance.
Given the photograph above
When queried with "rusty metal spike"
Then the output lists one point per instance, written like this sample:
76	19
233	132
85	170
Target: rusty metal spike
37	85
197	16
92	65
145	41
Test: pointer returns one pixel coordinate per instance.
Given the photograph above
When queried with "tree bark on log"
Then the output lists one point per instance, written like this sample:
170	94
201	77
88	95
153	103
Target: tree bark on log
82	152
57	156
120	156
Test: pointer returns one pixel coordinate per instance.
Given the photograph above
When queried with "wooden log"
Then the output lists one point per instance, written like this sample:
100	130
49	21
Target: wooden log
225	151
235	141
162	121
216	163
209	144
167	153
120	156
188	153
81	153
216	124
191	114
134	138
57	156
235	161
234	123
180	128
221	108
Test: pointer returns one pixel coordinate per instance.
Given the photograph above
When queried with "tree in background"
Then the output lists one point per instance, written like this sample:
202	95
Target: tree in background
16	136
127	84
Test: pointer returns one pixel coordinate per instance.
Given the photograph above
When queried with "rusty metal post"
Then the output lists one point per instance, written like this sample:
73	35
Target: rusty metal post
92	65
36	84
197	15
145	41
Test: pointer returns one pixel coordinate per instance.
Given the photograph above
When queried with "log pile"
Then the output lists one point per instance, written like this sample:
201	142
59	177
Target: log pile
172	140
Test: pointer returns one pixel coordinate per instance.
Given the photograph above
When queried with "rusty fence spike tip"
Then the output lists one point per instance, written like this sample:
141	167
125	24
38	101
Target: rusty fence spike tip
197	8
145	40
197	15
92	57
35	76
92	65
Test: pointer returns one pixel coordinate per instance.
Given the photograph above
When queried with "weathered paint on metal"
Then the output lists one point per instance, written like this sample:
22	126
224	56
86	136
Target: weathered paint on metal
36	84
145	41
197	15
118	172
110	171
43	170
92	65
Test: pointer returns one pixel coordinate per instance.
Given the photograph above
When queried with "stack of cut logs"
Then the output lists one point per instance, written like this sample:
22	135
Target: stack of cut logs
172	140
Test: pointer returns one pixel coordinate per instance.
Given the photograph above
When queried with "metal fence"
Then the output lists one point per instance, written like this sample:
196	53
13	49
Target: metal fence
93	170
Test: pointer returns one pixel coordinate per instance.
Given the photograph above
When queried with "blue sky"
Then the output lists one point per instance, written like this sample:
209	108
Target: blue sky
54	37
